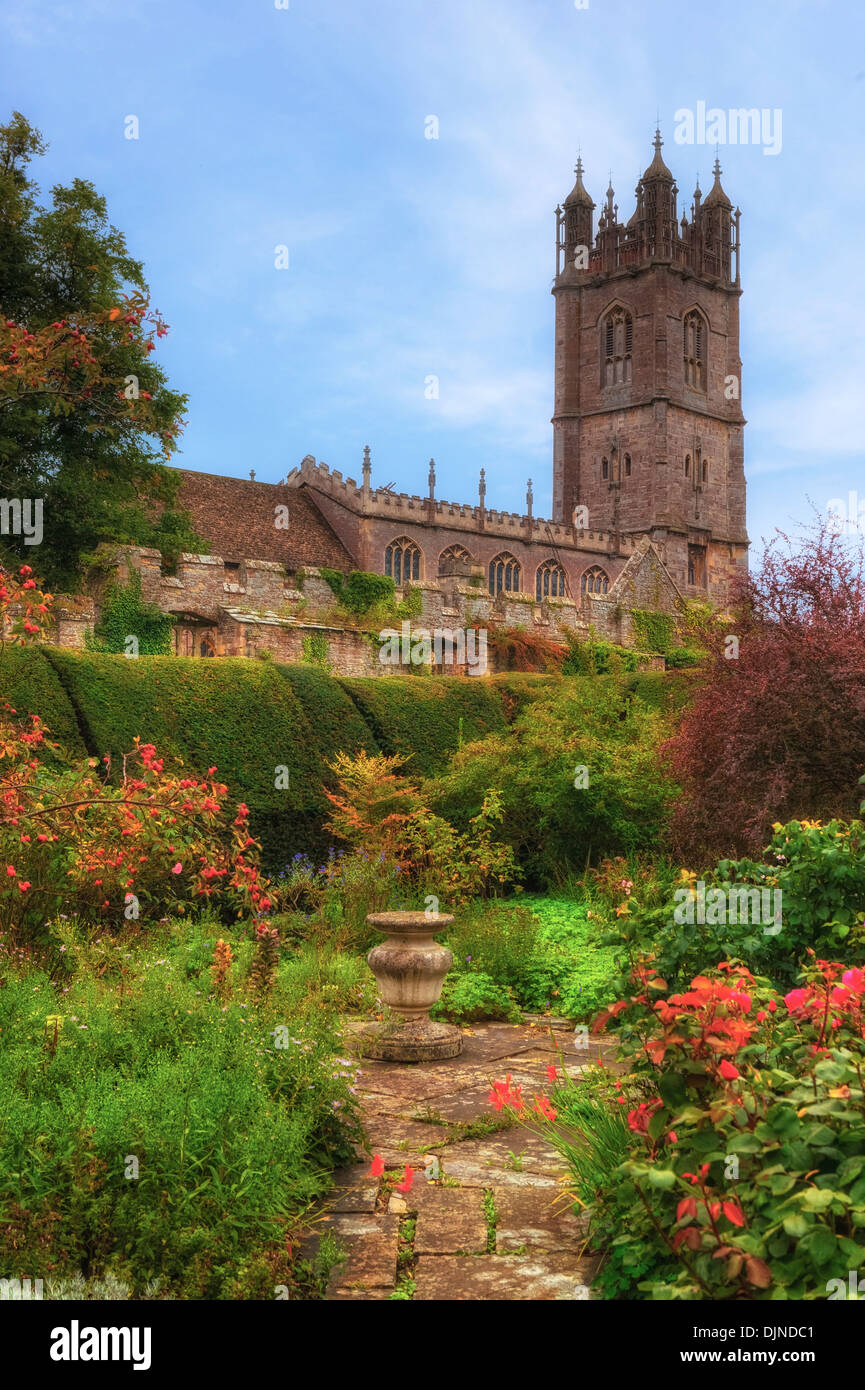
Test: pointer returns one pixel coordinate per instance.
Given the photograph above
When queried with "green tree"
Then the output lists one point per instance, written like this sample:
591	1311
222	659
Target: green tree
87	418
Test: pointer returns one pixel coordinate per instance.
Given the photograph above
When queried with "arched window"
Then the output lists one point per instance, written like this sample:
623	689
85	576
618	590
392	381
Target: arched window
687	465
594	581
206	647
605	468
627	465
504	575
550	581
705	470
402	560
617	341
454	559
695	351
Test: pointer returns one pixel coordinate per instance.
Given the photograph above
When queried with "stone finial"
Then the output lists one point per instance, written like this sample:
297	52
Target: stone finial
432	479
252	475
482	487
529	499
367	465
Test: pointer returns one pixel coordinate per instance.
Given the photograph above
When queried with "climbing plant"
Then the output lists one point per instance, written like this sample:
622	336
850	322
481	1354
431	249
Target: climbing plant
124	615
653	631
316	651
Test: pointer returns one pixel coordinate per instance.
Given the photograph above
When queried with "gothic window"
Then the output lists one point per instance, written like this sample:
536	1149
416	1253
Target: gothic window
402	560
705	470
455	557
206	647
605	469
627	465
687	465
594	581
504	575
697	565
617	343
550	581
695	351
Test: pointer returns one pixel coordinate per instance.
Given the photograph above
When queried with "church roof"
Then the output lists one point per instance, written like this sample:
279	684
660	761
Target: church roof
236	517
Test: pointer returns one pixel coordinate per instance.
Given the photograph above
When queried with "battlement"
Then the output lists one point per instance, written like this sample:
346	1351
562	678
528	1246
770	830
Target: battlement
414	510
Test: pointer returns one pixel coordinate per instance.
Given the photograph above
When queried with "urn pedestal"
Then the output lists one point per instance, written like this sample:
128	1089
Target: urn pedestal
410	967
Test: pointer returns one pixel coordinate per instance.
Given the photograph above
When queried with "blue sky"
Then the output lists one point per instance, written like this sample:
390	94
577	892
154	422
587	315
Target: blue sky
412	257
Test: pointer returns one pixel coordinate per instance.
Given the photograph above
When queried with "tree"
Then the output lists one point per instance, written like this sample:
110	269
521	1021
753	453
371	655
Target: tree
777	731
87	418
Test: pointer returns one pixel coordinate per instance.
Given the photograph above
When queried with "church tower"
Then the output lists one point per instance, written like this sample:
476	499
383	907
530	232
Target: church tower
648	425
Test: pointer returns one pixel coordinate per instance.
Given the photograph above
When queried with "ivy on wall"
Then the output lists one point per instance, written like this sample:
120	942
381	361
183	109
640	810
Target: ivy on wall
316	651
653	631
125	614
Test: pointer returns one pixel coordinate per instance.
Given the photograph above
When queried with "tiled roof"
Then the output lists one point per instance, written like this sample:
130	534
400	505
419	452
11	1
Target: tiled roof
236	517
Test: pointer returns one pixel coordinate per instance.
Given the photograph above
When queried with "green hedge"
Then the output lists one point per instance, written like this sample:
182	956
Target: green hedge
31	685
420	718
240	716
518	689
334	720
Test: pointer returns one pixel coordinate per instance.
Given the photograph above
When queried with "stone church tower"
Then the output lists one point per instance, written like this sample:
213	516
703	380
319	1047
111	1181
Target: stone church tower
648	424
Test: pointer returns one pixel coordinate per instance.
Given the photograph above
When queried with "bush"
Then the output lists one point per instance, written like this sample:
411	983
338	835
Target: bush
426	721
240	716
745	1177
473	997
31	685
551	824
818	873
653	631
777	730
153	1131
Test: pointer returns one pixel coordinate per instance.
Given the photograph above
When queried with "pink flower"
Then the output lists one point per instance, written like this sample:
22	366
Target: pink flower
178	869
377	1166
854	979
408	1179
796	998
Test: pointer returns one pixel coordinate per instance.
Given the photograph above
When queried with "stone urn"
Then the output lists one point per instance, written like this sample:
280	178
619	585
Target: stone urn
410	967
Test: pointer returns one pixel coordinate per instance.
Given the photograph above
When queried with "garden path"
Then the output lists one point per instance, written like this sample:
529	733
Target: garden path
497	1222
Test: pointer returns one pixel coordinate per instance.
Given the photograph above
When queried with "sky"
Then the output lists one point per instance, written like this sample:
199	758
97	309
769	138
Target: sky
305	124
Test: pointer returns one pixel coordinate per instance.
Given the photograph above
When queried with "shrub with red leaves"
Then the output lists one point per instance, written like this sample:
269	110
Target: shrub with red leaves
778	731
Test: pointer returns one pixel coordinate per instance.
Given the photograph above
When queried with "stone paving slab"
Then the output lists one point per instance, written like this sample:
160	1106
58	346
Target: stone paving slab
449	1221
371	1243
537	1220
487	1162
493	1278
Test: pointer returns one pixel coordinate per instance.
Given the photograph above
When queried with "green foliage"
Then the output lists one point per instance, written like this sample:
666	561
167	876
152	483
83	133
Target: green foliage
653	631
98	474
31	685
678	658
335	578
361	591
819	871
420	720
745	1171
552	824
124	613
239	716
474	997
235	1115
597	657
316	651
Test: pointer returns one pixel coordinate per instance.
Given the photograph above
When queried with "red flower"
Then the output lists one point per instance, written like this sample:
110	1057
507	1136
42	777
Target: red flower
408	1179
728	1071
543	1107
551	1072
377	1166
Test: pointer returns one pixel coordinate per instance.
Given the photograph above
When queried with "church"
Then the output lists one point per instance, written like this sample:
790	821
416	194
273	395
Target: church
648	469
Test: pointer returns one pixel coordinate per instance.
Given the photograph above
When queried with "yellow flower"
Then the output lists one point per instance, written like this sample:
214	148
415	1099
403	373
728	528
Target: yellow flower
623	909
777	826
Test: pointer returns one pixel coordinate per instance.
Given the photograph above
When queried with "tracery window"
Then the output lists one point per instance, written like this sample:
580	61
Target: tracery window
504	575
594	581
402	560
550	581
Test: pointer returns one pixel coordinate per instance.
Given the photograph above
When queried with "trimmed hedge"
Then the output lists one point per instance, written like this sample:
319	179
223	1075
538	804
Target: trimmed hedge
334	720
518	689
240	716
421	718
31	685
